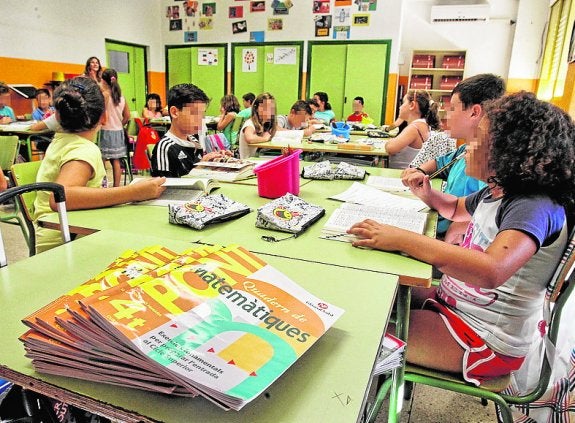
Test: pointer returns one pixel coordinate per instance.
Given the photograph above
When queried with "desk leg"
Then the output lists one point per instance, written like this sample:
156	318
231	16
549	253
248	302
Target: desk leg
401	330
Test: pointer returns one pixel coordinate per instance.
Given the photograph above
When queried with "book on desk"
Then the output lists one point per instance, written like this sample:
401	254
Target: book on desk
181	190
223	171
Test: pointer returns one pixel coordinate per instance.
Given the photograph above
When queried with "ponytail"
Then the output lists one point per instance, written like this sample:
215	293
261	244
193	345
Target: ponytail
111	78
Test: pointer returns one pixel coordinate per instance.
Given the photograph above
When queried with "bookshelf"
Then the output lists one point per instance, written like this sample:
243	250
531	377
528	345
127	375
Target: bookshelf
437	72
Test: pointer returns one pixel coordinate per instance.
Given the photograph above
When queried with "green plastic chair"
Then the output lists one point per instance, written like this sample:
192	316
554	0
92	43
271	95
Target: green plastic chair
235	132
559	289
25	174
8	152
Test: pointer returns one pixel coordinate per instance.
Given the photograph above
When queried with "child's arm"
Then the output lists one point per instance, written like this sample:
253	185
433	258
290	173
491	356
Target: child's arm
225	120
428	167
126	114
74	176
252	138
407	137
510	250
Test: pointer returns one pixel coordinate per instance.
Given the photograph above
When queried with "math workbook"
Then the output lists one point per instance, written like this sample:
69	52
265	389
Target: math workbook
221	323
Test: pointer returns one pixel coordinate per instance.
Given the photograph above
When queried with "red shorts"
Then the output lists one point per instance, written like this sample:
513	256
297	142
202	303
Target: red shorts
480	362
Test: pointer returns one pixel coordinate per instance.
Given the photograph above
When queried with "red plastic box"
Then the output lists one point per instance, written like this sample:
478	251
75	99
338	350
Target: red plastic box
448	82
421	82
453	62
423	61
279	176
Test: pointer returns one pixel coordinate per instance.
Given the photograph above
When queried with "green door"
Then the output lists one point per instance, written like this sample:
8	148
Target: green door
129	61
201	65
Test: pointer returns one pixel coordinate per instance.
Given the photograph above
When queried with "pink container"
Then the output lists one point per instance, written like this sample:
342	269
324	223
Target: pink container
279	176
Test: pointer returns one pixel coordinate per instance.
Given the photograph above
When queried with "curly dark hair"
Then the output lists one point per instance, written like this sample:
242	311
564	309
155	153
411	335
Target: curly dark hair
532	147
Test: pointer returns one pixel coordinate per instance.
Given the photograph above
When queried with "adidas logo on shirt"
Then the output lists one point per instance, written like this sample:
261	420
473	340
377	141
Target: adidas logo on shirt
182	155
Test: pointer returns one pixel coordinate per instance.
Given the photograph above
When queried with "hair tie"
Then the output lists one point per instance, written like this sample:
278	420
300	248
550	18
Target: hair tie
431	102
113	79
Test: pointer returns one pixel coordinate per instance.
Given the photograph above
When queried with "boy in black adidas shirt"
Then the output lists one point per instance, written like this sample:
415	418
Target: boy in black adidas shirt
175	154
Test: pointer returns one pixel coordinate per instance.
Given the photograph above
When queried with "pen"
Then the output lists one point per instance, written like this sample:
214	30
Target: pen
447	166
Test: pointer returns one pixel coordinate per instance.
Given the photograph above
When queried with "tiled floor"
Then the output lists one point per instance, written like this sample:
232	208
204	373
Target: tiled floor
428	405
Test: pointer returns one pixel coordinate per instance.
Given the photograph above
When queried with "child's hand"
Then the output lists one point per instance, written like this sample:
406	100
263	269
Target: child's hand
148	189
266	136
419	185
406	174
376	235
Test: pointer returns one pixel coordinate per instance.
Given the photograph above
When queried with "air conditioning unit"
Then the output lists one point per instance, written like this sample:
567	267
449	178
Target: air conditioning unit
460	12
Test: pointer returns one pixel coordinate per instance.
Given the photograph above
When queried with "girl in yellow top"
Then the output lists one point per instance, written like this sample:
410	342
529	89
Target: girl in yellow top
74	160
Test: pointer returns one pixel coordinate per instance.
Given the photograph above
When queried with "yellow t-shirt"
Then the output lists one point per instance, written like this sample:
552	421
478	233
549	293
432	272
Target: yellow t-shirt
63	149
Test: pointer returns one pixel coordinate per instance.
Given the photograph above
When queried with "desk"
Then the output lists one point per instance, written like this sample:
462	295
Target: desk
328	384
25	135
320	147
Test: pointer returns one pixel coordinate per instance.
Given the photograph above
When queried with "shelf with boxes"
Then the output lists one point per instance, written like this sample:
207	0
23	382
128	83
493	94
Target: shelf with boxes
438	72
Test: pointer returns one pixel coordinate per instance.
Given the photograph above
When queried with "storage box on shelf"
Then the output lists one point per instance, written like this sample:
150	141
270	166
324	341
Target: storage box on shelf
421	82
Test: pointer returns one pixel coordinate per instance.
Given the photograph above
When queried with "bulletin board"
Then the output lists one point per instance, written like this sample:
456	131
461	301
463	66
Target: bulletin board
201	65
272	67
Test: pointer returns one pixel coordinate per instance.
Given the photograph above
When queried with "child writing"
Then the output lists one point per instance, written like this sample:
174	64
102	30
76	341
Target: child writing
420	113
153	107
484	314
74	161
261	127
175	154
112	138
229	108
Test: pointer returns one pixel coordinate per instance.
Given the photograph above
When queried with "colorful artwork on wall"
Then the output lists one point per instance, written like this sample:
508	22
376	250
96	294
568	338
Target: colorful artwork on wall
176	25
208	9
361	19
285	56
236	12
257	36
240	26
190	36
341	32
341	3
249	60
191	8
275	24
342	16
207	56
321	6
257	6
206	23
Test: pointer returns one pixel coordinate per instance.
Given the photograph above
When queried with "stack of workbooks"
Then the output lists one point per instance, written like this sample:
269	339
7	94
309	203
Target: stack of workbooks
212	321
390	355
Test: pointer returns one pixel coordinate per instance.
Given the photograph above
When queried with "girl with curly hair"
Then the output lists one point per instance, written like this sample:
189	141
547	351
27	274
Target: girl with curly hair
484	314
261	127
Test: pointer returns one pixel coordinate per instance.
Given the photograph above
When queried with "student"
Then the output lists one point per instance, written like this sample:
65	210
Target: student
298	118
74	161
6	113
112	136
93	69
153	108
463	117
323	114
229	108
261	127
481	318
175	154
248	100
420	113
43	107
358	113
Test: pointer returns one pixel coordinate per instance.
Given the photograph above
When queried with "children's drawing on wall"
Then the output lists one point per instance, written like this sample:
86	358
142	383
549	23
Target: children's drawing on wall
257	6
173	12
191	8
207	56
190	36
320	6
366	5
341	32
176	25
249	60
342	3
240	26
275	24
206	23
257	36
361	20
236	12
208	9
285	56
281	7
322	25
342	16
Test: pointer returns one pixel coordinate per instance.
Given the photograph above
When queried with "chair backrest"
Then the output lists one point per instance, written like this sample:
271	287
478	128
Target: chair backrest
8	151
235	132
24	174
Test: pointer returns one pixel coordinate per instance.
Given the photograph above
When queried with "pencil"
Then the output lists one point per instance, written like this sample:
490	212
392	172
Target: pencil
447	166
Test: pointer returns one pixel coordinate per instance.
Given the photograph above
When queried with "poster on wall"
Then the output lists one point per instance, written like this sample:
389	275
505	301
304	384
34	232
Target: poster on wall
341	32
190	36
207	56
191	8
322	25
342	16
281	7
275	24
257	6
173	12
236	12
285	56
366	5
361	20
240	26
257	36
206	23
208	9
321	6
249	60
341	3
176	25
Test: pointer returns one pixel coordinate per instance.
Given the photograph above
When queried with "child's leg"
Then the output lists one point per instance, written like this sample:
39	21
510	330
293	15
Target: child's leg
116	171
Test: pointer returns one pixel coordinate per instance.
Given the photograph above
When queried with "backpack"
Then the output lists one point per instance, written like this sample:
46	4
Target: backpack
146	136
216	142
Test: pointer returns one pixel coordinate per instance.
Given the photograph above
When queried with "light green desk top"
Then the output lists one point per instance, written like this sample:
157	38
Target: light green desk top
153	220
328	384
